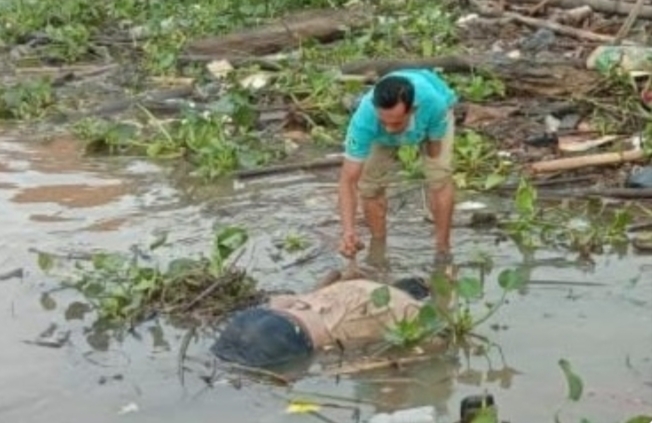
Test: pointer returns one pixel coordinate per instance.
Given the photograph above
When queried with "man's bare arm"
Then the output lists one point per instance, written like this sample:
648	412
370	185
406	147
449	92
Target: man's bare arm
348	193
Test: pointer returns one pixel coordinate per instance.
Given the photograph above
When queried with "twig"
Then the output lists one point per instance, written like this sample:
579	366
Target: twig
229	277
183	350
633	228
603	6
578	162
15	273
260	372
622	193
337	397
290	167
564	283
561	29
629	22
375	365
538	6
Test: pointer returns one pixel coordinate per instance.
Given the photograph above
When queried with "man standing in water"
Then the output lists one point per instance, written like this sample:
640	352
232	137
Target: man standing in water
406	107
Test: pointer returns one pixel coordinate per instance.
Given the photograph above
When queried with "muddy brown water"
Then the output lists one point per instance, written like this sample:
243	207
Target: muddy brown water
53	200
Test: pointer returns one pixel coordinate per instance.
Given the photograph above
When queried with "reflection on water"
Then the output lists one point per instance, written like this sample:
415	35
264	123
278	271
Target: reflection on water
54	200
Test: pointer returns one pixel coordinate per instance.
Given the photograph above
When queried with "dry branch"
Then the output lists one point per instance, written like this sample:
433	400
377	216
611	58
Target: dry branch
525	76
561	29
578	162
324	25
290	167
604	6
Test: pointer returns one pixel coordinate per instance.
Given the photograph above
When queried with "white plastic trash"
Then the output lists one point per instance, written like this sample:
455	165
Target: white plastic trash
410	415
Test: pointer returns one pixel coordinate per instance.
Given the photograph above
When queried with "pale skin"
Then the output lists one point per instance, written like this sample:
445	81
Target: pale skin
441	199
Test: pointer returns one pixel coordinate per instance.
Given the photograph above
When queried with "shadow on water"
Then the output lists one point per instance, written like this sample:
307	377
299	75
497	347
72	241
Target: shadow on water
73	368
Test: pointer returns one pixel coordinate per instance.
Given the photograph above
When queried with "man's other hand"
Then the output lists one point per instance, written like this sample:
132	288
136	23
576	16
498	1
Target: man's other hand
350	244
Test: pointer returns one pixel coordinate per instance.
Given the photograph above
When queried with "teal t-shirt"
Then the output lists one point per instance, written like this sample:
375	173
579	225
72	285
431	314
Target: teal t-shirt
433	98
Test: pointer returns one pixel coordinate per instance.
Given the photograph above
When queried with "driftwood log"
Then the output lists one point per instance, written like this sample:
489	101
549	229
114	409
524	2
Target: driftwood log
324	25
521	76
604	6
578	162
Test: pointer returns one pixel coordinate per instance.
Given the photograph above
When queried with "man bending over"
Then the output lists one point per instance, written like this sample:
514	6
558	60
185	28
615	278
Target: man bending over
407	107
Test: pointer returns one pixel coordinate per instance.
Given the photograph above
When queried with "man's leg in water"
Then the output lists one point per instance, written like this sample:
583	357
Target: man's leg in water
372	187
438	166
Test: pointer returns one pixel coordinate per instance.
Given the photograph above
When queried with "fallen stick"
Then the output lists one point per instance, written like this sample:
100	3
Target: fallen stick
564	283
578	162
259	372
525	76
290	167
604	6
324	25
629	22
561	29
374	365
620	193
637	227
550	182
15	273
121	105
222	280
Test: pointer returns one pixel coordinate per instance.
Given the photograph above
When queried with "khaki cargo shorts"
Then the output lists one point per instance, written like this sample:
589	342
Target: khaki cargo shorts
382	165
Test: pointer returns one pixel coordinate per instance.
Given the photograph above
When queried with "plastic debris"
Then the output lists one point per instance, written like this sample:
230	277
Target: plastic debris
628	58
411	415
302	407
129	408
640	177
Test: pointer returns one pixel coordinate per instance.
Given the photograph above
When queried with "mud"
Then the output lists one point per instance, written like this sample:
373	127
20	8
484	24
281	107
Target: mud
53	200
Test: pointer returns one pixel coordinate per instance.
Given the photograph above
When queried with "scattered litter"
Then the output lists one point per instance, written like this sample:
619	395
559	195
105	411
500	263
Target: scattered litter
546	139
256	81
301	407
129	408
470	205
411	415
640	177
577	143
628	58
219	68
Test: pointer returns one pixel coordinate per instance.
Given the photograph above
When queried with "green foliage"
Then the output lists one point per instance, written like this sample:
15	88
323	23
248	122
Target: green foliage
26	100
294	242
575	384
204	138
433	319
129	288
575	387
477	163
584	229
477	87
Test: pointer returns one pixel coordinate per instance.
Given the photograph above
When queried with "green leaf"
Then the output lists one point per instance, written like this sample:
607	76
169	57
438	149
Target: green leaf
640	419
428	317
469	288
485	415
45	262
441	285
229	239
160	241
525	198
380	296
48	302
511	279
575	385
493	181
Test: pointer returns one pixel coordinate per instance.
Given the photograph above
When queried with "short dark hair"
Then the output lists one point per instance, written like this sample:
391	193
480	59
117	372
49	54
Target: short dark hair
391	90
416	287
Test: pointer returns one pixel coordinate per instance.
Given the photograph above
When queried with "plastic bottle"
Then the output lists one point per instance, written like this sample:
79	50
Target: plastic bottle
628	58
410	415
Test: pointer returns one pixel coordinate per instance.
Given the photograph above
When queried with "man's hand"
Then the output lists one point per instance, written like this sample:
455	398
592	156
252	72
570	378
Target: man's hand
350	244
